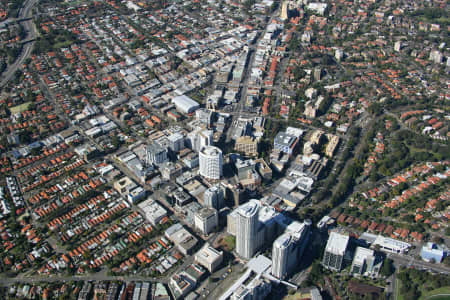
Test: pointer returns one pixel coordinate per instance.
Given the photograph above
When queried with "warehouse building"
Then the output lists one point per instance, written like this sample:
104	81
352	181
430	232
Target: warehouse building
185	104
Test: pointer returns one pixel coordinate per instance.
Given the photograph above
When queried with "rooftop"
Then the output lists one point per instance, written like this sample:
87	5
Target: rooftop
206	212
362	254
391	243
337	243
285	139
283	240
208	253
211	151
249	209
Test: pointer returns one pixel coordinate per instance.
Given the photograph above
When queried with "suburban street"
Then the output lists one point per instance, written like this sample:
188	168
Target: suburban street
95	277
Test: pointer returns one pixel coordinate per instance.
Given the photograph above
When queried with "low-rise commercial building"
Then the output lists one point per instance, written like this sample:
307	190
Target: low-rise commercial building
206	220
209	257
391	245
247	145
185	104
285	143
433	252
365	262
181	238
335	249
153	211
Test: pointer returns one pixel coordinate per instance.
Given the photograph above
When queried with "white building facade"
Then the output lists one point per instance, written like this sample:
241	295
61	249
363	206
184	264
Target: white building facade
211	163
247	229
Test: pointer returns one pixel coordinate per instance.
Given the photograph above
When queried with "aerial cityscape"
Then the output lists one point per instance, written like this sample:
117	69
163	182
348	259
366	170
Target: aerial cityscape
225	150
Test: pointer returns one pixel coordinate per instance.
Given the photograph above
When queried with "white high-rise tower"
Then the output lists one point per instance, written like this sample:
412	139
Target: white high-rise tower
247	229
211	162
288	248
280	255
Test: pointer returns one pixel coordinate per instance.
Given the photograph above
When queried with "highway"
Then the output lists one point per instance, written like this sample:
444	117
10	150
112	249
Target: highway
30	29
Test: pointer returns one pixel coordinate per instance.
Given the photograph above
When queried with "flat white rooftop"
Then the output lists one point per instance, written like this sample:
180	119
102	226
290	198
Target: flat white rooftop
362	254
391	243
337	243
260	264
209	254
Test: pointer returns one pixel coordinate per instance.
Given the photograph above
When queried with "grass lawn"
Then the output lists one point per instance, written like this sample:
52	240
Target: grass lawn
398	296
64	44
442	290
445	291
20	108
297	296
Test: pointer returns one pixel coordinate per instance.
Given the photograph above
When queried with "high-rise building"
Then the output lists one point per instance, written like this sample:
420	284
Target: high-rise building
247	229
205	116
317	73
176	142
214	197
156	154
211	162
281	250
288	248
335	251
234	192
433	252
398	46
200	138
284	10
436	56
339	54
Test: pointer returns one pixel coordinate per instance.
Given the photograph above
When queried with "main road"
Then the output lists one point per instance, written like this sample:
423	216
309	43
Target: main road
411	262
30	29
246	78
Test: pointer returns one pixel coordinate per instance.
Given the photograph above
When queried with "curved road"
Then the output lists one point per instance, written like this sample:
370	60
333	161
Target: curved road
25	12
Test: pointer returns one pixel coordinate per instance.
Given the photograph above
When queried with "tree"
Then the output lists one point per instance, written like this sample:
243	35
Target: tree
388	268
274	6
447	231
438	240
374	176
248	4
327	60
447	261
375	109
